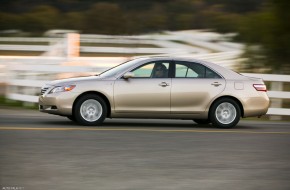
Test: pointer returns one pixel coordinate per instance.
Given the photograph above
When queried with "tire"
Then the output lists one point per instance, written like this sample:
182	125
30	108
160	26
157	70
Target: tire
72	118
202	121
90	110
225	113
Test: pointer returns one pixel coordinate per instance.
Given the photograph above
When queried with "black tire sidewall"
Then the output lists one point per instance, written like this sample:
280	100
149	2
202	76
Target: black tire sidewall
213	118
72	118
202	121
77	107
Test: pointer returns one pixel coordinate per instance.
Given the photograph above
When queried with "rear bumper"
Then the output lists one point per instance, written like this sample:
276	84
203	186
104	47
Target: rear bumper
256	106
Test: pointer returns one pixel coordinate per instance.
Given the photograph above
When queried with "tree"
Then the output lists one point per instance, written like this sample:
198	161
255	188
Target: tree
277	38
105	18
270	29
41	18
9	21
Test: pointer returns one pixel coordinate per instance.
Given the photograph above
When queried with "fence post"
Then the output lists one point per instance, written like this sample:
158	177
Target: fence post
276	103
3	77
72	45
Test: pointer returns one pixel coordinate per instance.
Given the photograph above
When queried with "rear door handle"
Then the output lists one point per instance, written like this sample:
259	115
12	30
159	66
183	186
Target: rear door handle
216	84
163	84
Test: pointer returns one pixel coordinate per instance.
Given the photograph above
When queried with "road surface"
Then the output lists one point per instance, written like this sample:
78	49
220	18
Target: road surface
41	151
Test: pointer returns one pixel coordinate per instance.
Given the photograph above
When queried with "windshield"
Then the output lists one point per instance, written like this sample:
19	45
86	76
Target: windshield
119	68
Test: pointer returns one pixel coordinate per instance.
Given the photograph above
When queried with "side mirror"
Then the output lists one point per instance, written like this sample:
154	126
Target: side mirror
128	75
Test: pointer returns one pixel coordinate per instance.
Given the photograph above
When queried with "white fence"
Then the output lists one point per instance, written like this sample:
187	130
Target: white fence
25	77
275	92
182	42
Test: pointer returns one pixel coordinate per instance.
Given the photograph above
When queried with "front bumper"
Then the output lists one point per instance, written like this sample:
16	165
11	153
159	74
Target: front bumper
58	103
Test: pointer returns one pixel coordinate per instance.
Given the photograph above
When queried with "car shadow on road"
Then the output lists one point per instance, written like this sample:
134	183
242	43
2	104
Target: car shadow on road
55	122
124	123
164	124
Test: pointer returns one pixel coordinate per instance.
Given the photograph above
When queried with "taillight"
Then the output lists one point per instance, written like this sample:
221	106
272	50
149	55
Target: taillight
260	87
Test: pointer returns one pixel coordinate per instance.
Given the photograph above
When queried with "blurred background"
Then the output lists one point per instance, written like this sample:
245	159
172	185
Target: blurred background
44	40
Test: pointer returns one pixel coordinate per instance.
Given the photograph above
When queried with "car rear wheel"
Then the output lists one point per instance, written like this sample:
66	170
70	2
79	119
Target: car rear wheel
225	113
90	110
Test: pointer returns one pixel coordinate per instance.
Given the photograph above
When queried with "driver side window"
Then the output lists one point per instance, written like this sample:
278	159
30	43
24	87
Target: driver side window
152	70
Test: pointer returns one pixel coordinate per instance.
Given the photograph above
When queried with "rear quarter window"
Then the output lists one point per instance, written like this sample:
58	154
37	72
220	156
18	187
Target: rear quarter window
211	74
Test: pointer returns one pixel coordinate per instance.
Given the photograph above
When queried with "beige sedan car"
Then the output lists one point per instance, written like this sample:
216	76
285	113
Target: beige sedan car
158	87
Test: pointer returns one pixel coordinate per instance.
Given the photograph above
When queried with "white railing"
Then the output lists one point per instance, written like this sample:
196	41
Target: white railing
25	75
169	42
276	92
26	78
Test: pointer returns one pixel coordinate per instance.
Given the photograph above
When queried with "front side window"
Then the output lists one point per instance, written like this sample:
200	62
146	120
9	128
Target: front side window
152	70
120	68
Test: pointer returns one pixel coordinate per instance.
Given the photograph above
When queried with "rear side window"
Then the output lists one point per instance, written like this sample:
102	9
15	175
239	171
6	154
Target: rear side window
184	69
211	74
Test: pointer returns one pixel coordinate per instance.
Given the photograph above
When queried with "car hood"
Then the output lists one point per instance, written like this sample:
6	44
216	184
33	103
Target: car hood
74	80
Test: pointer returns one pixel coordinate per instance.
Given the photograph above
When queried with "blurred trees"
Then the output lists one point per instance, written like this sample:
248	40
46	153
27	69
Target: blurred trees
263	24
104	18
269	29
123	16
40	18
276	37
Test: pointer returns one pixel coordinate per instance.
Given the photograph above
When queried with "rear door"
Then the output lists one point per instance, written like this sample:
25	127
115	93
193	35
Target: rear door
193	87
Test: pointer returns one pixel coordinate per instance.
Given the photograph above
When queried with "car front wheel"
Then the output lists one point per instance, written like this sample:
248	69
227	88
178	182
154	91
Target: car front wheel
202	121
90	110
72	118
225	113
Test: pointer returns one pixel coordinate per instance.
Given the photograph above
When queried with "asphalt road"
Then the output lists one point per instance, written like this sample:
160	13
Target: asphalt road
40	151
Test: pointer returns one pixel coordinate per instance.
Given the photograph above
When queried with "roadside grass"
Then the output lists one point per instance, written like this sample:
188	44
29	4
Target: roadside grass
6	103
23	43
20	53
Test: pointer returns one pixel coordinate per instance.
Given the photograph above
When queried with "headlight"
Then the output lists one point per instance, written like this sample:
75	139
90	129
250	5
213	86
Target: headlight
65	88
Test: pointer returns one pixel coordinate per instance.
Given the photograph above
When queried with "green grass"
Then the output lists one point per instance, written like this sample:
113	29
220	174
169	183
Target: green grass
16	104
20	53
23	43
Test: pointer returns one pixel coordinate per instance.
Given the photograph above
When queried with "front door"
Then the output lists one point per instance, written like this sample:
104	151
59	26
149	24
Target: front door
148	91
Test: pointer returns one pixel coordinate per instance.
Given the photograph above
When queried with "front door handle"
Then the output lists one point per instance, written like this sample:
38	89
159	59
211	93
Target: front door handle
163	84
216	84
